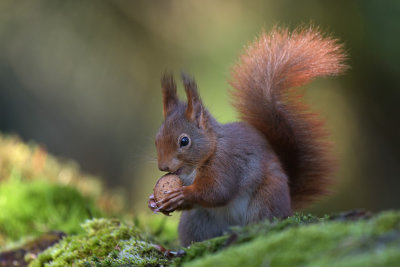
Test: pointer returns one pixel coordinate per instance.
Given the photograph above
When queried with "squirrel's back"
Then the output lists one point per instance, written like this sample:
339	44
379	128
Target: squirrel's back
263	80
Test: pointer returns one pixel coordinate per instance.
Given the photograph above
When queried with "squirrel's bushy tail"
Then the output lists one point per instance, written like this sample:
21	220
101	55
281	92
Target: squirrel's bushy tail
263	80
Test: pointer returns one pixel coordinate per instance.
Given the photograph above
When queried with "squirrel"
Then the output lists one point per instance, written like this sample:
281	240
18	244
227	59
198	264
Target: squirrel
274	161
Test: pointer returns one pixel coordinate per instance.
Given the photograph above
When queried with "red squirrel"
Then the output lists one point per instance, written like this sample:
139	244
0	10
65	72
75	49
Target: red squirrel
275	160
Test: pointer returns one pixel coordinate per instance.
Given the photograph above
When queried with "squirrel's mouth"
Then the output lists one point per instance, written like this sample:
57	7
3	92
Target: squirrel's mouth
178	171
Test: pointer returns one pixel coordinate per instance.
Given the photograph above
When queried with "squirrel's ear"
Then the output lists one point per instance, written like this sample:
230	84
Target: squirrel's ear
195	110
170	98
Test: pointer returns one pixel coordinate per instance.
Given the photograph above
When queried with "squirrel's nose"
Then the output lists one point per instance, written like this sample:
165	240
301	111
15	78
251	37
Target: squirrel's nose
163	167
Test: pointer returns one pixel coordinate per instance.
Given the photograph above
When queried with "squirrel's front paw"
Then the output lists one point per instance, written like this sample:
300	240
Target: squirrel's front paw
172	201
153	205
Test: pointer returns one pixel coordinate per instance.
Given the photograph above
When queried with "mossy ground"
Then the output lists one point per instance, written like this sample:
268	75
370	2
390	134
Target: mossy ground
36	207
297	241
372	242
105	242
40	194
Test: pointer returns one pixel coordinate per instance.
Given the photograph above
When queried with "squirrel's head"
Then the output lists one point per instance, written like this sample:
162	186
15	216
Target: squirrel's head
185	139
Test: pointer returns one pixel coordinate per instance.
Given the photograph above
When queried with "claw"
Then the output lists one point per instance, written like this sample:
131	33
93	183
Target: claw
172	203
168	197
174	208
172	200
152	204
175	190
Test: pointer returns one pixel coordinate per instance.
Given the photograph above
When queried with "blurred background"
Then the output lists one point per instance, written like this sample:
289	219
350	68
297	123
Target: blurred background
81	78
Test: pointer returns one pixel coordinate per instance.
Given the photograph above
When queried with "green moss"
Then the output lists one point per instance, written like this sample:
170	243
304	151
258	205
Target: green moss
31	208
388	221
301	240
239	235
30	162
105	242
40	193
320	244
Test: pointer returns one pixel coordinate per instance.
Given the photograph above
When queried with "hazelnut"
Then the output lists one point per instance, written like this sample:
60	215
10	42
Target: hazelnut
166	183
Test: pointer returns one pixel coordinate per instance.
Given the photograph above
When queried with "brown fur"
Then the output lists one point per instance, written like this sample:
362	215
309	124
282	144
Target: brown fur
243	172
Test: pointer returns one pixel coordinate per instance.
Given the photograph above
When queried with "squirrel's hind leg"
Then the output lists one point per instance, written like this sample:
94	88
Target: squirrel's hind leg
271	199
197	225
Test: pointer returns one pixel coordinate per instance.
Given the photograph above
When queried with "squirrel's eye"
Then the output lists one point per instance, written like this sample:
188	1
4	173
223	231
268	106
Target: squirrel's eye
184	141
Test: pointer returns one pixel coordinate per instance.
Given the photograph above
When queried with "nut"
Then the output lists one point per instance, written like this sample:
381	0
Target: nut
166	183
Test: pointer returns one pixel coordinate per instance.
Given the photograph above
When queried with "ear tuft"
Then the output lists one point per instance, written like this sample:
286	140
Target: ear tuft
195	111
170	98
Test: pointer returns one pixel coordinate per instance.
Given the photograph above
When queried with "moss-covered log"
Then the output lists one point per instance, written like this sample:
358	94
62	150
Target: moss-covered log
297	241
